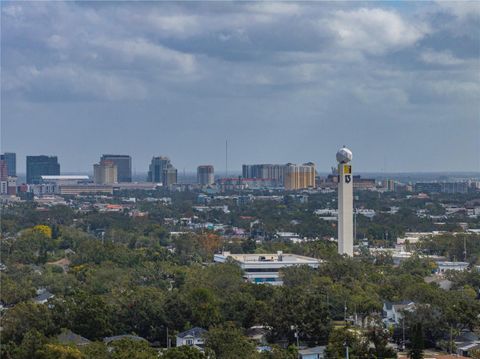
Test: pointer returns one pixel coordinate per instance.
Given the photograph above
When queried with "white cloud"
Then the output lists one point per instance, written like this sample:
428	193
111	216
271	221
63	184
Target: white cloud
461	9
133	50
374	31
275	8
445	58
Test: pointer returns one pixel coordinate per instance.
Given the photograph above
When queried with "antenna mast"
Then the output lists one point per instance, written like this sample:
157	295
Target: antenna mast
226	158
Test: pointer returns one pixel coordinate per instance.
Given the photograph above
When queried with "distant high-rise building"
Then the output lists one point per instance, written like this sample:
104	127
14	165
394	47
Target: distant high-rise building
389	185
38	166
169	176
3	170
11	160
162	171
205	175
299	176
124	166
264	171
105	172
428	187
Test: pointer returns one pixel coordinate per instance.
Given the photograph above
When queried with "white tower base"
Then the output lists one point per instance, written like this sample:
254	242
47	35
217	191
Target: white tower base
345	209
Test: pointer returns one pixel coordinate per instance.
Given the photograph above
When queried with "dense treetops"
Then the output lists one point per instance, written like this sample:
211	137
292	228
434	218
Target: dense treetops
136	279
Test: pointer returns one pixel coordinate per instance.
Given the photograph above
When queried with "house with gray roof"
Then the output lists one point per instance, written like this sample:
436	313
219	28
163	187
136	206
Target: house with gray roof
193	337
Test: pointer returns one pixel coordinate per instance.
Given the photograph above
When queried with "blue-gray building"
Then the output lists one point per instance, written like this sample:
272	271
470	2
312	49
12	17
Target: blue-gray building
38	166
10	159
124	166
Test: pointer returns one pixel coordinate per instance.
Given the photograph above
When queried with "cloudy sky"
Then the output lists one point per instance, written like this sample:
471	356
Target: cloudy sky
398	82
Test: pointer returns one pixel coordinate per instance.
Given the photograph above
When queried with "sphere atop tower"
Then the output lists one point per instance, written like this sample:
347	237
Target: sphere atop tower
344	155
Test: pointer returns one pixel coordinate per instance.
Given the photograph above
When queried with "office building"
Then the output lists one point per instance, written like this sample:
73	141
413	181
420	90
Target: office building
3	170
345	202
389	185
105	172
299	176
10	159
162	171
205	175
264	268
275	173
124	166
455	187
38	166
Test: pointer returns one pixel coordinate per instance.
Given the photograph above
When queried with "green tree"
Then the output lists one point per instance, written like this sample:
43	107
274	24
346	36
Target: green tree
417	342
59	351
32	341
128	349
183	352
227	341
341	338
26	316
95	350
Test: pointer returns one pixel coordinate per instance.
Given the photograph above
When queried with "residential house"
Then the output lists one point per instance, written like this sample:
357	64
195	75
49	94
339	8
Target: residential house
312	353
108	340
393	312
192	337
43	295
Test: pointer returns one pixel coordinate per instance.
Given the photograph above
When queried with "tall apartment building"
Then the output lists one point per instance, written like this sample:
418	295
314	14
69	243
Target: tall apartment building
169	176
38	166
205	175
299	176
162	171
105	172
264	171
3	170
10	159
124	166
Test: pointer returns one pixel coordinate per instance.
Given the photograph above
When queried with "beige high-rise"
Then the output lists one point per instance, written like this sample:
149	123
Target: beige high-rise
105	172
299	176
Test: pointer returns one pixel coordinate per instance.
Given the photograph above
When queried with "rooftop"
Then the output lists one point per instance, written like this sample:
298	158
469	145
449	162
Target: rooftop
194	332
65	178
279	257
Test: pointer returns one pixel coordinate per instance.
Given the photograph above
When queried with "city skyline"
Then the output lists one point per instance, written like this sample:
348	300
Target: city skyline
277	80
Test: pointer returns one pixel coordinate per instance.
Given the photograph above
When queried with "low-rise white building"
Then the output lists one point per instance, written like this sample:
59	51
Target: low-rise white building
456	266
264	268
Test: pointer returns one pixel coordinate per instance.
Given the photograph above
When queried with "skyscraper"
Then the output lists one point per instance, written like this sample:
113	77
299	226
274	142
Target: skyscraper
265	171
105	172
124	166
345	202
38	166
3	170
205	175
10	159
162	171
299	176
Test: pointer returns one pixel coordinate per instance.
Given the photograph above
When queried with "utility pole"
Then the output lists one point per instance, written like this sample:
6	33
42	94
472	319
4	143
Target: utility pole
451	340
168	340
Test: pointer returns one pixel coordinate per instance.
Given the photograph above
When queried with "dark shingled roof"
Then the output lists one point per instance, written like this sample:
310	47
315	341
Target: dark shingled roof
69	337
194	332
123	336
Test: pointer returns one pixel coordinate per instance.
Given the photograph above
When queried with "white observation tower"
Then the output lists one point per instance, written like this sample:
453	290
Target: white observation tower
345	202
